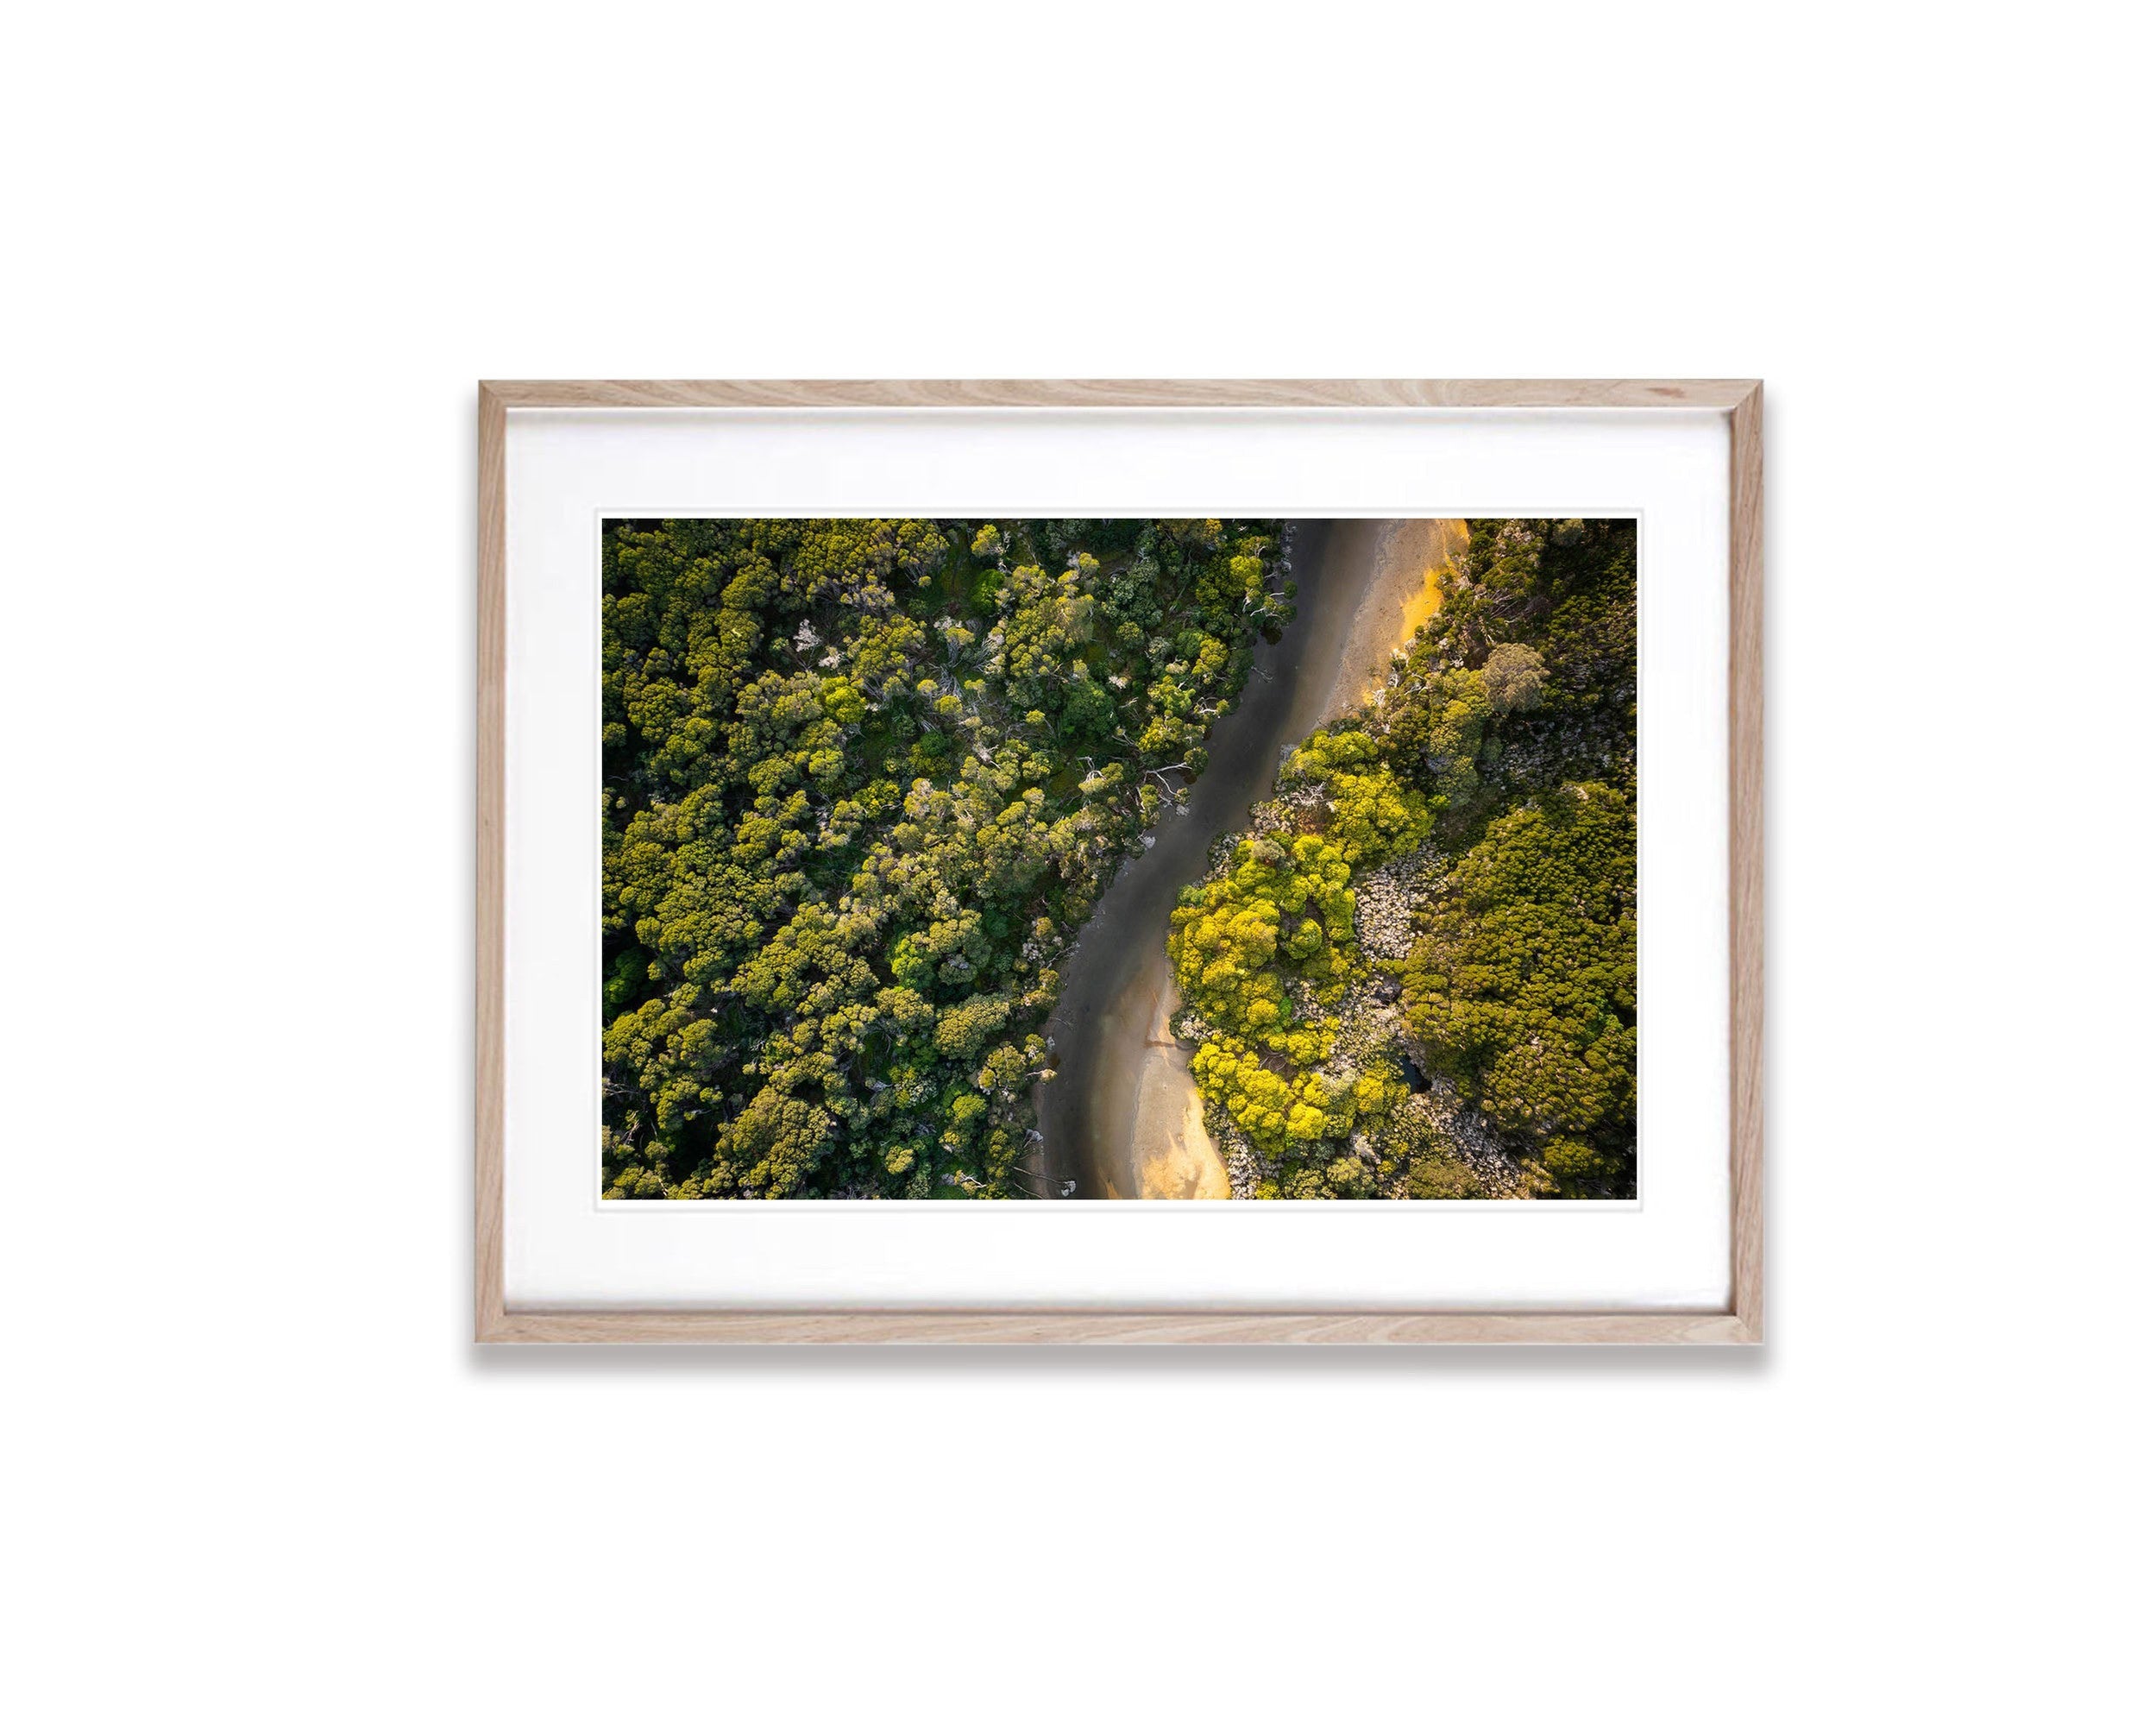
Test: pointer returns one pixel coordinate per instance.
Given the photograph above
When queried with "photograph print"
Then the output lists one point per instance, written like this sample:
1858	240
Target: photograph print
1033	859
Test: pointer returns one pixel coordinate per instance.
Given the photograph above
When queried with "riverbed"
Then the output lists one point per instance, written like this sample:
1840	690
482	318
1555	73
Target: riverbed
1121	1117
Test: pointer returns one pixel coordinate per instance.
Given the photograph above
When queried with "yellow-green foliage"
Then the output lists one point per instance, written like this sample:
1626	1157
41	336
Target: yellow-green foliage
1287	1115
1372	815
1277	911
1280	911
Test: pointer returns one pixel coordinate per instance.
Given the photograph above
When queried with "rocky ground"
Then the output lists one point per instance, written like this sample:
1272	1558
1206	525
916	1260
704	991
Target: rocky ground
1372	1034
1387	899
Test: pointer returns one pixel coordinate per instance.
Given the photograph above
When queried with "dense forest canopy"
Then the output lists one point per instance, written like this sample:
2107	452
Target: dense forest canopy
863	780
1415	978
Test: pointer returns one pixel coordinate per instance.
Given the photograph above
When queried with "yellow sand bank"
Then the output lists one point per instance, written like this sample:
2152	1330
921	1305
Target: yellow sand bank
1405	592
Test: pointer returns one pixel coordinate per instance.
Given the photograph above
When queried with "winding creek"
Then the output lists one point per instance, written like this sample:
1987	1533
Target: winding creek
1121	1117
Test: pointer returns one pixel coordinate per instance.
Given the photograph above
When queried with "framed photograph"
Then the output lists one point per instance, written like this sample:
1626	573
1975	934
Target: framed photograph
1120	862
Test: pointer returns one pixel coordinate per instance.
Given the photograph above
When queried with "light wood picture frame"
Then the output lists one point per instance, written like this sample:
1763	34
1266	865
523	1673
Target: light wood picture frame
1738	400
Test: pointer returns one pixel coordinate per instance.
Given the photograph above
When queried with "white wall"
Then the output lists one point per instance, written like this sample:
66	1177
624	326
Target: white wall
260	255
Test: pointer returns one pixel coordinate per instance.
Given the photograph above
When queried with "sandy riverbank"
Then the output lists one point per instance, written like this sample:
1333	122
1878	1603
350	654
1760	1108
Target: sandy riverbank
1402	595
1178	1158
